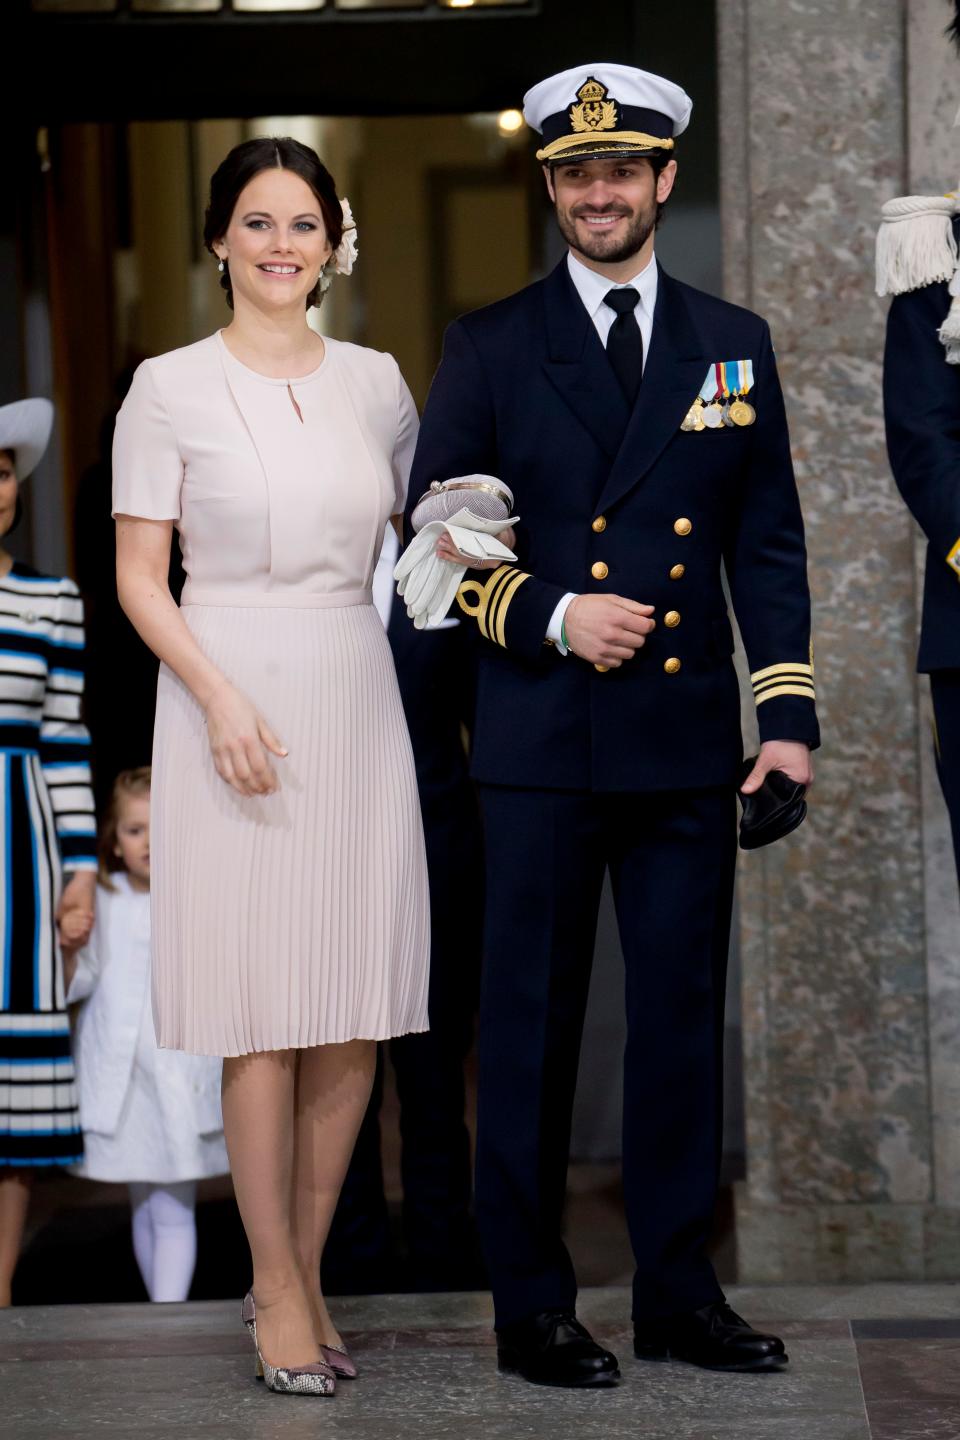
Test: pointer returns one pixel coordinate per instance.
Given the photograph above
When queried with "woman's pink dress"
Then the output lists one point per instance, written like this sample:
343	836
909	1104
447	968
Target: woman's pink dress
300	918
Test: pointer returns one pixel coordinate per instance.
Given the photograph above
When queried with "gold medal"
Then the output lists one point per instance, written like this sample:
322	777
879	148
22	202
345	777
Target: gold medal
692	421
713	416
741	413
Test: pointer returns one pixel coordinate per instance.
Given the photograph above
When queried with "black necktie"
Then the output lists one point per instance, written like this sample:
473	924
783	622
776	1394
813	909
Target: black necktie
625	343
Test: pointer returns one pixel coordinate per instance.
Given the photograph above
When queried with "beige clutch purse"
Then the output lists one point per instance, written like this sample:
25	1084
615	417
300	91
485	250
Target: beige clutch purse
484	496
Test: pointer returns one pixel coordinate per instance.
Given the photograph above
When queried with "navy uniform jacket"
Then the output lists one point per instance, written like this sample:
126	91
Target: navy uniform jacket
624	504
921	401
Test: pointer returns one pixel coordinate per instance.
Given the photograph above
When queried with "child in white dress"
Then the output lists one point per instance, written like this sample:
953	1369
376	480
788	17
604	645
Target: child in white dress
151	1118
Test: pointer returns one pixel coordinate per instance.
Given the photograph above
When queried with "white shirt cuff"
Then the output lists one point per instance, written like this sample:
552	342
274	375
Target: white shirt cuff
555	628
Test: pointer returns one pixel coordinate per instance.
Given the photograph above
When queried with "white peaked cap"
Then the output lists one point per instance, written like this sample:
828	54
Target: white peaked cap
606	109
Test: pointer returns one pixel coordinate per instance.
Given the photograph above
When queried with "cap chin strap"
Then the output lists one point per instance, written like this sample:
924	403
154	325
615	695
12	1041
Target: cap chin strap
610	140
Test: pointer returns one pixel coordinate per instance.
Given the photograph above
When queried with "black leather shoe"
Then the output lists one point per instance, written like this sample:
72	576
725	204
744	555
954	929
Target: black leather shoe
715	1338
555	1349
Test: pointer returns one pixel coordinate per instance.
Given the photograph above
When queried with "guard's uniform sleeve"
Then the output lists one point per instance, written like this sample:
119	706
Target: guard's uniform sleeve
766	562
921	406
458	436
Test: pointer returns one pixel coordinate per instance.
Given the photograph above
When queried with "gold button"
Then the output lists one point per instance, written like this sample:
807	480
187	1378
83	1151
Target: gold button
682	526
677	572
672	665
599	525
599	571
601	669
672	619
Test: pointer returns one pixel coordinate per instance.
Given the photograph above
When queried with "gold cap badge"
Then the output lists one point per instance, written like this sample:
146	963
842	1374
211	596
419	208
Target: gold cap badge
595	111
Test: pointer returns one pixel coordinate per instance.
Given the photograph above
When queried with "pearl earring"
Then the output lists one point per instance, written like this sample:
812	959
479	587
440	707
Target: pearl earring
221	267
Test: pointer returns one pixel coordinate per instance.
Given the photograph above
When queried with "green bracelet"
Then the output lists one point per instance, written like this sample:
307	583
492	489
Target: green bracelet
563	633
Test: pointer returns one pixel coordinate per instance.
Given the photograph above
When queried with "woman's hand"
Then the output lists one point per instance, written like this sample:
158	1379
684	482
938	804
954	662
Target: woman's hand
446	550
76	909
240	740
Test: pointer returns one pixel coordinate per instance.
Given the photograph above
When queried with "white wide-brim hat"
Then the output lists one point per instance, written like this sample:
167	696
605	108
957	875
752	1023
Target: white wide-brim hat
25	428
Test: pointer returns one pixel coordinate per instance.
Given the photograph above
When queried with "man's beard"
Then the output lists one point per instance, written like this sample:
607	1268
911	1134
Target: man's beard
597	247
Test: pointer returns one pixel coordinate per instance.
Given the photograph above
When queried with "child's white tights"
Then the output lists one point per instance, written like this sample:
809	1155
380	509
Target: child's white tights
165	1237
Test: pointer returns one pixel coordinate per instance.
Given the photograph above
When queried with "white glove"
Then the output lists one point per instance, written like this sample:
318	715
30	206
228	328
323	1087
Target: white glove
428	584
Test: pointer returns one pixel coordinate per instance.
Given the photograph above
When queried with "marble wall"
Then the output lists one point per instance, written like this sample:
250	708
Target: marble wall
851	996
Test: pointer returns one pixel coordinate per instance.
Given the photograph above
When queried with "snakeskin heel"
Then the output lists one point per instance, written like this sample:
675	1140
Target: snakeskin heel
317	1379
338	1358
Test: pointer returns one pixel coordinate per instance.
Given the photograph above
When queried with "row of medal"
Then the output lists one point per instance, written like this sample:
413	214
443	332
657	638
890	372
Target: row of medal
722	399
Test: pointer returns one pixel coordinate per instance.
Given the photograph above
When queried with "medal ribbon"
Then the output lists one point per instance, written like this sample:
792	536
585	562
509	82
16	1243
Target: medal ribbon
708	389
727	377
736	376
745	376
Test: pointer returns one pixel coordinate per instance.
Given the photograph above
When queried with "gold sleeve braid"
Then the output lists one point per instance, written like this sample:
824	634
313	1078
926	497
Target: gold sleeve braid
493	600
786	679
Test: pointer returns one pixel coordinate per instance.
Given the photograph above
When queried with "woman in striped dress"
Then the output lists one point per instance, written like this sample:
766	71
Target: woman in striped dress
47	846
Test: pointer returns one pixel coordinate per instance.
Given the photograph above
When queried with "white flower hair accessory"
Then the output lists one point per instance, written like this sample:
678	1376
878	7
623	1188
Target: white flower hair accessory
342	260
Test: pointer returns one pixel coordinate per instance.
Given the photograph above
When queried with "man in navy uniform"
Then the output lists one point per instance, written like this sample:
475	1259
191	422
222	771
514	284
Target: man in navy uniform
641	428
921	404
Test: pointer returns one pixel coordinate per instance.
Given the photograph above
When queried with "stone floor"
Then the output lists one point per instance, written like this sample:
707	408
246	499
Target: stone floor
874	1362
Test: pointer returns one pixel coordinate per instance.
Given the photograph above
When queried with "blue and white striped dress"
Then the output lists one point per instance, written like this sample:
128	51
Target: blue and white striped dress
47	828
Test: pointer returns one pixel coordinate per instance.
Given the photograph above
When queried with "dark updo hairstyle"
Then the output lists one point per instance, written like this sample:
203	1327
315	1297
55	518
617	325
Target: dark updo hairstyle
247	160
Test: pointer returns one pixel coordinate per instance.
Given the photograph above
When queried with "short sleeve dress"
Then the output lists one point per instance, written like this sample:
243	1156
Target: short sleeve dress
300	918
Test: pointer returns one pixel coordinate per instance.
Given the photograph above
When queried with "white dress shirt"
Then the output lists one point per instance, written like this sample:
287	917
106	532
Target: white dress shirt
593	290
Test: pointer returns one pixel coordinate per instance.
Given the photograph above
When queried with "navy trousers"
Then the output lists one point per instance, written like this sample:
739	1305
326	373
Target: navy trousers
671	858
945	691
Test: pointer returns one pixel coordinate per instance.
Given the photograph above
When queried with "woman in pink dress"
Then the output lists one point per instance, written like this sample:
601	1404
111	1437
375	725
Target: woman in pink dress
289	908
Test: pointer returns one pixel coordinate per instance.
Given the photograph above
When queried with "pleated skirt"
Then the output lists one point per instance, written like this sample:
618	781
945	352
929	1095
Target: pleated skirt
300	918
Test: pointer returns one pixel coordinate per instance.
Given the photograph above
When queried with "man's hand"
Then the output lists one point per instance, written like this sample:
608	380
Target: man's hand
790	756
446	550
607	629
